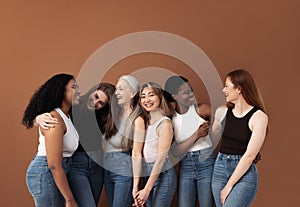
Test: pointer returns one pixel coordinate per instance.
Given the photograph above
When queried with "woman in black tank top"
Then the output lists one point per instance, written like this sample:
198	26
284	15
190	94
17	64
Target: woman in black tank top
235	176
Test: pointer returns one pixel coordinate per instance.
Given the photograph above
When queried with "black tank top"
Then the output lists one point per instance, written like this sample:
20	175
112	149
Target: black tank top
236	134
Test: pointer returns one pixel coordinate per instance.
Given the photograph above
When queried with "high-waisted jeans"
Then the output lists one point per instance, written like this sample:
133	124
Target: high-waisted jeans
165	186
41	184
195	176
118	179
243	192
86	179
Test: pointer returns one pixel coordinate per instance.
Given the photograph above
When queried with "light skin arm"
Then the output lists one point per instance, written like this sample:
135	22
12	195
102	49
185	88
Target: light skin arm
54	146
179	149
45	121
217	128
138	143
165	134
258	124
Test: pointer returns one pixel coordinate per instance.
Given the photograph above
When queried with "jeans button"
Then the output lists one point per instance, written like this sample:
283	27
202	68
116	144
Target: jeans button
228	156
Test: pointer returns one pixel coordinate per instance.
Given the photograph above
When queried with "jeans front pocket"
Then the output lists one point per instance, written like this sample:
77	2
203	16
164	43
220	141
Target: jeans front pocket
34	183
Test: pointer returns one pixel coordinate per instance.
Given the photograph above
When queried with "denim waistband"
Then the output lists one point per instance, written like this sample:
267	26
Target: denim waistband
208	150
222	156
44	158
168	164
118	152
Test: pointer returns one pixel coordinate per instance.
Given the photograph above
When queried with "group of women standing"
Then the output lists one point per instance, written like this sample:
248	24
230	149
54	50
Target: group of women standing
131	136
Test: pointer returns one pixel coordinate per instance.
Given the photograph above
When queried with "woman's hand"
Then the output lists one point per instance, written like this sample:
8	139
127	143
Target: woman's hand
141	197
46	121
134	195
71	203
203	129
225	192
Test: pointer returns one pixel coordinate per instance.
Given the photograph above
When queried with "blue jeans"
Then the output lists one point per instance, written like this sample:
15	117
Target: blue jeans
41	184
195	175
165	186
118	179
243	192
86	179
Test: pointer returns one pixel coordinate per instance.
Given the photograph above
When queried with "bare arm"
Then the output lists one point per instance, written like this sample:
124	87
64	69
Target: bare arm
217	127
258	124
45	121
179	149
54	146
138	143
165	134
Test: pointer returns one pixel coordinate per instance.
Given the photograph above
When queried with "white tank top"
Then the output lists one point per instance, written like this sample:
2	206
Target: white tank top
151	141
186	124
70	139
114	144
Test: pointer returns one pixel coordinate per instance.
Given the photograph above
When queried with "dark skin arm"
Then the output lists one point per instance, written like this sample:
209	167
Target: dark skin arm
54	146
179	149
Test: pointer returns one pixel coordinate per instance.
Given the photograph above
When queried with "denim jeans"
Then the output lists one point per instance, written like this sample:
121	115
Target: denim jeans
195	175
118	179
41	184
86	179
165	186
243	192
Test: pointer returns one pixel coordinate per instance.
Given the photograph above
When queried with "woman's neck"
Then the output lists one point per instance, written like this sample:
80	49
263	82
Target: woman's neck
241	107
126	111
182	109
65	108
155	116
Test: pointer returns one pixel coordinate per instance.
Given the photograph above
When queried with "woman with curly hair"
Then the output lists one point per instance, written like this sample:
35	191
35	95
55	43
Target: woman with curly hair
46	175
90	117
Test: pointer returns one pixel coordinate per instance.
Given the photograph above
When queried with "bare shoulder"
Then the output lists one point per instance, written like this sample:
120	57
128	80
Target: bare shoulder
139	122
221	112
204	107
165	124
60	127
204	110
259	117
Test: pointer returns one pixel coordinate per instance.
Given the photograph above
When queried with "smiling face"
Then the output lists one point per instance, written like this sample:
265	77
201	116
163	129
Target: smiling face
72	93
97	100
185	96
232	93
123	92
149	100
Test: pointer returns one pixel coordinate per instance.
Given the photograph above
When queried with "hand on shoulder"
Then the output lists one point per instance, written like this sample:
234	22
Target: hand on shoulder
60	126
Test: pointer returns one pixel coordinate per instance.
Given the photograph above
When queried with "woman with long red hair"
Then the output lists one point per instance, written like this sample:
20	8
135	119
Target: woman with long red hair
235	176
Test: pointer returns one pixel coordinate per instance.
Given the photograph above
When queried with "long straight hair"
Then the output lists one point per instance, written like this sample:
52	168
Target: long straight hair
164	105
243	80
117	111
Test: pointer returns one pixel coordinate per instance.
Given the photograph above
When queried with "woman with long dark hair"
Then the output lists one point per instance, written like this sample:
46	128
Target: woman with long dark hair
90	117
46	175
160	174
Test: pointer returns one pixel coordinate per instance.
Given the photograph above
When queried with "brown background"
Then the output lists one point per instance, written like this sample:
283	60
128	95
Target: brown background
41	38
